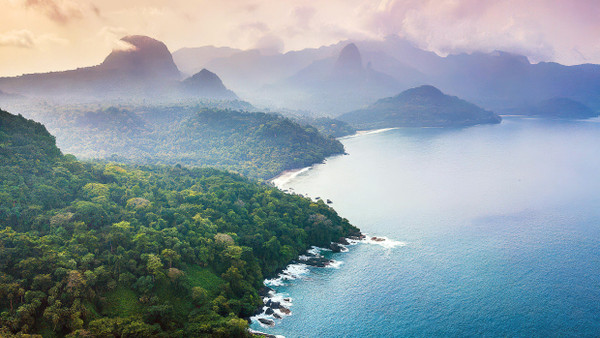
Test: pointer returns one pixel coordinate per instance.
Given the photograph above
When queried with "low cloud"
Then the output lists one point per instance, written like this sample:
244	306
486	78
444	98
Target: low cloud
21	39
60	11
540	29
304	16
270	44
26	39
258	26
112	38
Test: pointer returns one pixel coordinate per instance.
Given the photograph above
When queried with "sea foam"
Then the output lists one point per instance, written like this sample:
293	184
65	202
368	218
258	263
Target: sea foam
287	176
291	272
384	242
334	264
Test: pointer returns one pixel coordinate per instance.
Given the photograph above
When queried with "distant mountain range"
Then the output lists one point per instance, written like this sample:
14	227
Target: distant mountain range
324	81
333	85
558	107
145	69
498	81
424	106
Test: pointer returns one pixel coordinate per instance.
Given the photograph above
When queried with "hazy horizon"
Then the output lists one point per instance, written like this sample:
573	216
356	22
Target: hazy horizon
51	35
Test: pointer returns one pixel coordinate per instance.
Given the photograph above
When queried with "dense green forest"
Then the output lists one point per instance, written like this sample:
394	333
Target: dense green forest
254	144
327	126
109	250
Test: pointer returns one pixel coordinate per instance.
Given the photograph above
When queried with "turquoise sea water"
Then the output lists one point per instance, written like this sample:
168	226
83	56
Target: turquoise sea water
500	226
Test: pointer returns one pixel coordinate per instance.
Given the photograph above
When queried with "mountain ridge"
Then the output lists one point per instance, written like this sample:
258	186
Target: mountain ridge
496	80
143	68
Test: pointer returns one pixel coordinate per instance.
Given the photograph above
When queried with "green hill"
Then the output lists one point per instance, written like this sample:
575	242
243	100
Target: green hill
424	106
107	250
257	145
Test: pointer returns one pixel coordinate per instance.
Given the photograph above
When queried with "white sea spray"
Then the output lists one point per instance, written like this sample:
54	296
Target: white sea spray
383	241
335	264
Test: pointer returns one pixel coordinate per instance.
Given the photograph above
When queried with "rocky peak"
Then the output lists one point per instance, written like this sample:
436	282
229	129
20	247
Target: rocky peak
207	83
206	78
349	61
143	57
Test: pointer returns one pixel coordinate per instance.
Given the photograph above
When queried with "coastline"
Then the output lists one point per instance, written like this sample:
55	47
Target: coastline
277	305
367	132
287	175
374	131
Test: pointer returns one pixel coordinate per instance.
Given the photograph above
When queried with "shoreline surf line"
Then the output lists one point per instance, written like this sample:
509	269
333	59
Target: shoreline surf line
367	132
301	269
287	175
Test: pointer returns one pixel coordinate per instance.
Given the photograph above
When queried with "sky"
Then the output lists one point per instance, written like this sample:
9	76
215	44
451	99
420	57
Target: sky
49	35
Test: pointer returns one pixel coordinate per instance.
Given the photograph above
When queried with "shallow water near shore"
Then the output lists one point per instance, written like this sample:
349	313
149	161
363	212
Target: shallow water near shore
500	233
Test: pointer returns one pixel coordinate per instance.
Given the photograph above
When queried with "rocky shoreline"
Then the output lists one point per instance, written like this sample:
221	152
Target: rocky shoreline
277	306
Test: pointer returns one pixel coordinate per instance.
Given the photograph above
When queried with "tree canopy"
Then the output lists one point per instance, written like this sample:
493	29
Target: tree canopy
117	250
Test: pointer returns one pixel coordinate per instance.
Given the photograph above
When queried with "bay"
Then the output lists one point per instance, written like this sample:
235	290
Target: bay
498	231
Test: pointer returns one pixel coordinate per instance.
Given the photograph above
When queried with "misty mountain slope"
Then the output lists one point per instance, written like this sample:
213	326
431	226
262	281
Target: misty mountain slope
334	85
145	66
248	71
111	119
500	80
206	84
257	145
193	60
142	70
496	80
558	107
240	68
424	106
580	82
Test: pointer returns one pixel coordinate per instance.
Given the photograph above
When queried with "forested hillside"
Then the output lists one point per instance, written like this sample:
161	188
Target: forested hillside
109	250
424	106
257	145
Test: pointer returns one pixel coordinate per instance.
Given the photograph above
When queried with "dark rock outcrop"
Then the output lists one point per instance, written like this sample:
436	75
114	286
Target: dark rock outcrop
335	247
266	321
285	310
261	334
319	262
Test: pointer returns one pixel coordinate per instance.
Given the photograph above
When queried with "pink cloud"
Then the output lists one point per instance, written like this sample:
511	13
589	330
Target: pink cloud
60	11
543	30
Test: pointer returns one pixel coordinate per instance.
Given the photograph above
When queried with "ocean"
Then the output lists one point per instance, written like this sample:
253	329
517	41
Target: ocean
491	230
